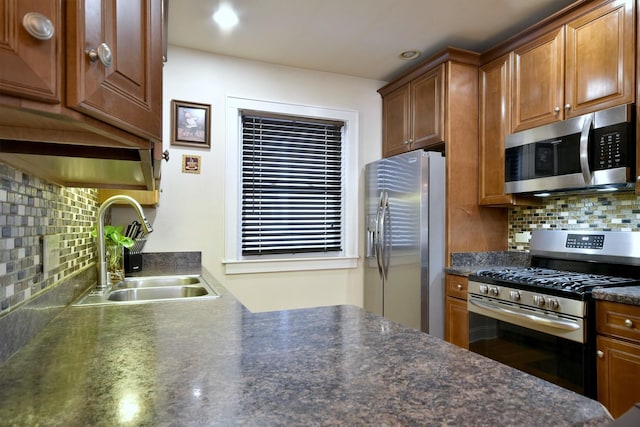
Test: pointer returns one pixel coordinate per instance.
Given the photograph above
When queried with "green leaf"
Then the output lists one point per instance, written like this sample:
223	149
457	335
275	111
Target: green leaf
114	234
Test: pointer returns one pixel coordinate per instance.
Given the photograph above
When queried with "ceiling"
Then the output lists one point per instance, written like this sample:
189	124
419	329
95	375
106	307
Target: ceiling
361	38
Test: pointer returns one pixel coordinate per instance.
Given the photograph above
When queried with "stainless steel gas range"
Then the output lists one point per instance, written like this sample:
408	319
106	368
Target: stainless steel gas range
541	318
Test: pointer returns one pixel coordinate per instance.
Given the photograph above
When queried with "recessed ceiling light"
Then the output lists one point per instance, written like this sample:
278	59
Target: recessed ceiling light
409	54
225	17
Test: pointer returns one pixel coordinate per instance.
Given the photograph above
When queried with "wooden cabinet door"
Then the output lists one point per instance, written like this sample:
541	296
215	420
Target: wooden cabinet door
495	125
600	59
538	78
456	322
30	67
396	121
618	368
127	93
427	109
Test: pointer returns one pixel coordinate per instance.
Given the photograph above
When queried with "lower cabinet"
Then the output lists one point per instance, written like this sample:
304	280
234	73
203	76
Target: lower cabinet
618	352
456	322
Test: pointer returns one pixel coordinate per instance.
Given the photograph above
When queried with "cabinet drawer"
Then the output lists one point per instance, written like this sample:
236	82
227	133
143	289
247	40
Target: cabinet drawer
456	286
619	320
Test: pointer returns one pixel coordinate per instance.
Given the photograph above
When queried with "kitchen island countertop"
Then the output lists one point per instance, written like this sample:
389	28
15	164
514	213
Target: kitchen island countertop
213	362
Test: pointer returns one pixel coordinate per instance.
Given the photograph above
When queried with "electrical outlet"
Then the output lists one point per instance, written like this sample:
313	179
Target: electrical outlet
50	252
523	237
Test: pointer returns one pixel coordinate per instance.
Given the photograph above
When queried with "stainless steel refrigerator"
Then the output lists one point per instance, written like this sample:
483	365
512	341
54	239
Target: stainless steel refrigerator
405	235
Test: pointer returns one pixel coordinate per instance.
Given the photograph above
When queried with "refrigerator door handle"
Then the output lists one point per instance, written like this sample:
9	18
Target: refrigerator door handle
385	249
376	235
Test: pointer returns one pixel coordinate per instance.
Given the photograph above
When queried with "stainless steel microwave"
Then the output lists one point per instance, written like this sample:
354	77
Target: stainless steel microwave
592	151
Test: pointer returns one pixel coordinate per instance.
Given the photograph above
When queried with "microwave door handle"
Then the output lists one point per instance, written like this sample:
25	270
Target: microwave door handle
584	149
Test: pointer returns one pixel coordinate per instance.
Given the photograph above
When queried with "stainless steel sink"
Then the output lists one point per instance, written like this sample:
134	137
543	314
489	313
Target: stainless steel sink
146	289
166	292
157	281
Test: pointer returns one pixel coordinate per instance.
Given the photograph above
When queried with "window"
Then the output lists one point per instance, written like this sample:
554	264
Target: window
295	166
291	185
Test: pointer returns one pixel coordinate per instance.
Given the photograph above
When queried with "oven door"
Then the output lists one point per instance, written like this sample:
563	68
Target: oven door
534	342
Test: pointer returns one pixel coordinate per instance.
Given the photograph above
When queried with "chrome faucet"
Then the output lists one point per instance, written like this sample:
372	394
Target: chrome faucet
102	262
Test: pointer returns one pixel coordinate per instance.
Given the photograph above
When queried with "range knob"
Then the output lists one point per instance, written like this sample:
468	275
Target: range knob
553	303
493	290
484	289
514	295
539	300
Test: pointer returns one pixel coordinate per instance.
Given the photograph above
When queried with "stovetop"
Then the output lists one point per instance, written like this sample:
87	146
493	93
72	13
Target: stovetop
575	285
572	263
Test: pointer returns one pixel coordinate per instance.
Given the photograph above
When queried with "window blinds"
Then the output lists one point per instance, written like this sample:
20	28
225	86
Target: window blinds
291	185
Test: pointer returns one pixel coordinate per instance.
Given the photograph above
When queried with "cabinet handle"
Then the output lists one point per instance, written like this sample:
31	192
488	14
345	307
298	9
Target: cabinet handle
556	110
628	323
103	53
38	25
567	106
600	354
459	287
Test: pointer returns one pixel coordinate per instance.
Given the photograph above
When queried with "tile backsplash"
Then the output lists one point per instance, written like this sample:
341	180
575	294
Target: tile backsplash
609	212
29	209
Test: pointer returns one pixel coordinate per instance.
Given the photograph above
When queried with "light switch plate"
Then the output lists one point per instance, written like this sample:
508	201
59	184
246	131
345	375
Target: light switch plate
51	252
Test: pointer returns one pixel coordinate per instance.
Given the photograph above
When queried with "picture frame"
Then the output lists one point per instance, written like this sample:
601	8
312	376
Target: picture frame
191	163
190	124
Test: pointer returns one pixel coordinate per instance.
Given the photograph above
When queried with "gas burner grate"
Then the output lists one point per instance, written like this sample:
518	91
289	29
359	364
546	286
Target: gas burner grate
568	281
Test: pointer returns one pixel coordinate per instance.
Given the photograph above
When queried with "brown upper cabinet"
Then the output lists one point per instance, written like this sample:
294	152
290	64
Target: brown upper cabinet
80	74
435	104
31	65
495	79
579	61
584	66
494	126
413	114
114	63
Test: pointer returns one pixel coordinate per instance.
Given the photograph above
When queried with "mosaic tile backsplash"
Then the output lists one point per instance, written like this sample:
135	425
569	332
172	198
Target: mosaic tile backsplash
29	209
608	212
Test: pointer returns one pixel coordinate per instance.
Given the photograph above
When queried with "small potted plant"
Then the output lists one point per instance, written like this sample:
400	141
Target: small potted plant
114	243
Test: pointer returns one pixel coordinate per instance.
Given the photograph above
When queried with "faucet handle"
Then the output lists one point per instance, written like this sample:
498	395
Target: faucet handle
146	225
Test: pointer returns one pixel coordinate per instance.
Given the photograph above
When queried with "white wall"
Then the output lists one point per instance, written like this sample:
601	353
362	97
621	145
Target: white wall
191	212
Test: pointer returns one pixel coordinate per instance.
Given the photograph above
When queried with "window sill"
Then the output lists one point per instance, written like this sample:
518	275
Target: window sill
276	265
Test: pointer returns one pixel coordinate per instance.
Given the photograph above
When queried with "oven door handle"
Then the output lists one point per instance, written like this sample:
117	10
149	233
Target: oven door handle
554	323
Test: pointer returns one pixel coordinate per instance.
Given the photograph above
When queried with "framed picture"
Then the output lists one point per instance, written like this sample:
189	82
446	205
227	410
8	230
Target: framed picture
190	124
190	164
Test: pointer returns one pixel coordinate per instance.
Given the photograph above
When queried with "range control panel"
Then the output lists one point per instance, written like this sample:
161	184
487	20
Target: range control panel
585	241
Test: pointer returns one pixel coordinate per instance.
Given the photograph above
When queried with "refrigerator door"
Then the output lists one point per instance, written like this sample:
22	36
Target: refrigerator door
402	233
404	266
374	192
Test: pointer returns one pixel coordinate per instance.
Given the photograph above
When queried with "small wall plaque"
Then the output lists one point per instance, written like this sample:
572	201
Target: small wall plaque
191	164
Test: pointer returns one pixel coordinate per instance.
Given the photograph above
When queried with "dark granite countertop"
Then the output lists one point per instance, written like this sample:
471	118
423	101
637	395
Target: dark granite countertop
213	362
624	295
465	263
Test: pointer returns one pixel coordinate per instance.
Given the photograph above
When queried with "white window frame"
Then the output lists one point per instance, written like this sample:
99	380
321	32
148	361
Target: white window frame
234	262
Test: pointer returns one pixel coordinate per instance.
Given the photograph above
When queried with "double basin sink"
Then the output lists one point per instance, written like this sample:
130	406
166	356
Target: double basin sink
146	289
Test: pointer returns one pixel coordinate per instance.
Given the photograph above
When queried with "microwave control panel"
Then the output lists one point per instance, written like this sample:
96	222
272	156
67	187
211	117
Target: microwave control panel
611	147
